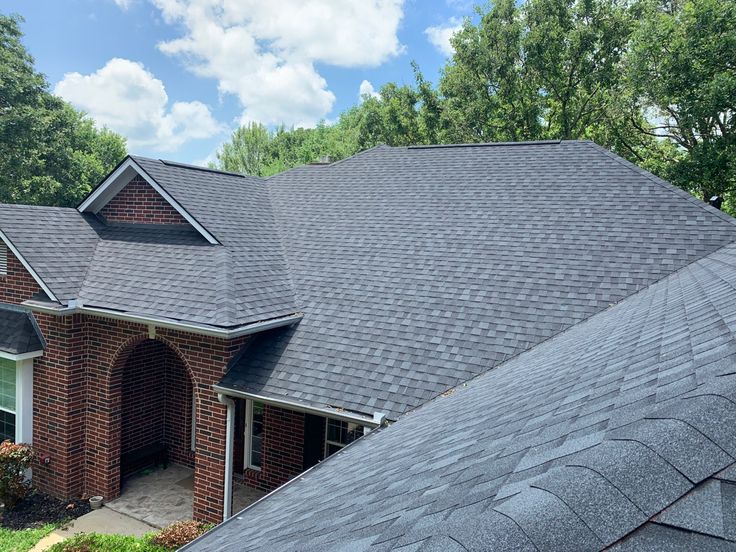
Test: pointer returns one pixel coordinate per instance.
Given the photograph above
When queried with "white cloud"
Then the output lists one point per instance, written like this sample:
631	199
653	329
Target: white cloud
440	35
128	99
366	89
123	4
265	52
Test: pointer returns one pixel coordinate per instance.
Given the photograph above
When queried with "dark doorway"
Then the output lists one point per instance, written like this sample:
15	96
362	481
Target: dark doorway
314	440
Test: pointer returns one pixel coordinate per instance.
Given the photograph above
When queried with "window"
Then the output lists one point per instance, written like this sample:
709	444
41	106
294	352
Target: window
7	399
339	434
3	259
254	434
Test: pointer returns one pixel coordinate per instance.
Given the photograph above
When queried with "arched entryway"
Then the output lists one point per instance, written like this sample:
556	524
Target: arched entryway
156	421
155	403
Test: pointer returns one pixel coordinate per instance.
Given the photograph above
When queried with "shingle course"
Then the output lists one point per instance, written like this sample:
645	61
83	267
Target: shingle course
419	268
526	408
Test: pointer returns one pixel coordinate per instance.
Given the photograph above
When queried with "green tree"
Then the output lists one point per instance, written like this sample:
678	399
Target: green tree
573	51
50	153
247	152
682	71
255	150
488	91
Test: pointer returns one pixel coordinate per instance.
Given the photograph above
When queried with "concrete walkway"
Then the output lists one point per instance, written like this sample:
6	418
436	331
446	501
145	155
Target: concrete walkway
104	520
160	497
149	501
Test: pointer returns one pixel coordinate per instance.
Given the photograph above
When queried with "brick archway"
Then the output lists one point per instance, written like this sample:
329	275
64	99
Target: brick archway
147	392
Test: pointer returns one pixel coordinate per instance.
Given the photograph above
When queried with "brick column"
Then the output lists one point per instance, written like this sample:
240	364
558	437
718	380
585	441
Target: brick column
59	406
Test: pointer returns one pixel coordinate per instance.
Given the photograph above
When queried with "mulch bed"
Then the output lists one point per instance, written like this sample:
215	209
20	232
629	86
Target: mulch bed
38	509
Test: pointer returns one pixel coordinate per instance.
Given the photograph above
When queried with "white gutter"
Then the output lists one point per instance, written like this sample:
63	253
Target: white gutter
201	329
229	437
20	356
376	421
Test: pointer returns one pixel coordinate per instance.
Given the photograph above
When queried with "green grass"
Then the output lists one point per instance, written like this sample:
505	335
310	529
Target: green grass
22	540
94	542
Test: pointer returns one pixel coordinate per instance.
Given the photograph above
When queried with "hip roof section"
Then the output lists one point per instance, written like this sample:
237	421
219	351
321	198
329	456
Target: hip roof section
573	445
420	268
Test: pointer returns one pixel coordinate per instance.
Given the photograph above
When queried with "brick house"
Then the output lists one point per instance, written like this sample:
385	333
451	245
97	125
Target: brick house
253	327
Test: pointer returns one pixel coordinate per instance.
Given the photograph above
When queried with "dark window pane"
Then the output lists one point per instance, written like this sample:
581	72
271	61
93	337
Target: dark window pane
7	426
332	449
336	431
256	441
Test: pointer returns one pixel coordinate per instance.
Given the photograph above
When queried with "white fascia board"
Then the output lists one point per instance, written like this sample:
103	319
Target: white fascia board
372	422
21	356
117	181
28	267
200	329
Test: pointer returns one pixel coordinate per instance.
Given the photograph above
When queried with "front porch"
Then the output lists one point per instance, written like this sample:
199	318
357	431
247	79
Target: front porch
160	497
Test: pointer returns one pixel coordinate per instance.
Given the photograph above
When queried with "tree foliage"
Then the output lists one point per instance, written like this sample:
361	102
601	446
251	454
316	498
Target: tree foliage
682	70
50	153
653	80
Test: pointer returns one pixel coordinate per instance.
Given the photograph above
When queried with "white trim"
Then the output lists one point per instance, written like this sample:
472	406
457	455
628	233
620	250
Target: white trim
248	437
3	259
24	401
28	267
201	329
227	506
373	422
117	181
21	356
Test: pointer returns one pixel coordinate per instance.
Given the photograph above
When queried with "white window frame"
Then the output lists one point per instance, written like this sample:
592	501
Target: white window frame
337	443
23	395
248	437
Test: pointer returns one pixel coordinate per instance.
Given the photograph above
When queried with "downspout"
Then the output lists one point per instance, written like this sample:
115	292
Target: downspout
229	437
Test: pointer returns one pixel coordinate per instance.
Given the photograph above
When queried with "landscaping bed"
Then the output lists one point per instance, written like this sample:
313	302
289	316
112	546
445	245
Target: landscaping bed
38	510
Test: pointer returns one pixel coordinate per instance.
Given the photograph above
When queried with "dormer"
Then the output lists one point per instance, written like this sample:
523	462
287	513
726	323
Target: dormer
129	195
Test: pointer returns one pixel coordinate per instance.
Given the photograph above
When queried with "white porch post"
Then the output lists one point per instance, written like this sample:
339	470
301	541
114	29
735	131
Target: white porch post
24	401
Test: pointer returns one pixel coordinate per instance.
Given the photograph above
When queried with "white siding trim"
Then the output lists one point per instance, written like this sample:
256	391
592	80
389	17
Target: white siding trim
3	259
21	356
24	401
117	181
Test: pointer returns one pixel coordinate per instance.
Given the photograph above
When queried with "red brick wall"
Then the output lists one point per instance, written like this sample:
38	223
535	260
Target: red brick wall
178	411
18	285
206	358
59	405
139	202
283	449
78	385
143	396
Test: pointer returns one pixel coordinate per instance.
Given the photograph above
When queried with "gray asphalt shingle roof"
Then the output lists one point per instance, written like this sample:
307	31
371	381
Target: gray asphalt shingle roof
419	268
19	332
574	444
160	271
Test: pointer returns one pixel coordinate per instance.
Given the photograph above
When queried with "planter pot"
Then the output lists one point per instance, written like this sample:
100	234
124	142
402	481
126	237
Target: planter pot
95	502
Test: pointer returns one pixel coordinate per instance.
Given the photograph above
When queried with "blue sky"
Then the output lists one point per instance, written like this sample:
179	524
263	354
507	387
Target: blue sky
177	76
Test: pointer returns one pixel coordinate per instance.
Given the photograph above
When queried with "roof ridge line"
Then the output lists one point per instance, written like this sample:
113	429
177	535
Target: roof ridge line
189	166
489	144
663	183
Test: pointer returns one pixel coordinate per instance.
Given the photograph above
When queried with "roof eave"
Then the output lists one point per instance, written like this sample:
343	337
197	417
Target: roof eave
168	323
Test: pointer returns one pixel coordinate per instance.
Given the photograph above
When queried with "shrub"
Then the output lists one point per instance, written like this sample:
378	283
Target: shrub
15	459
180	533
94	542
